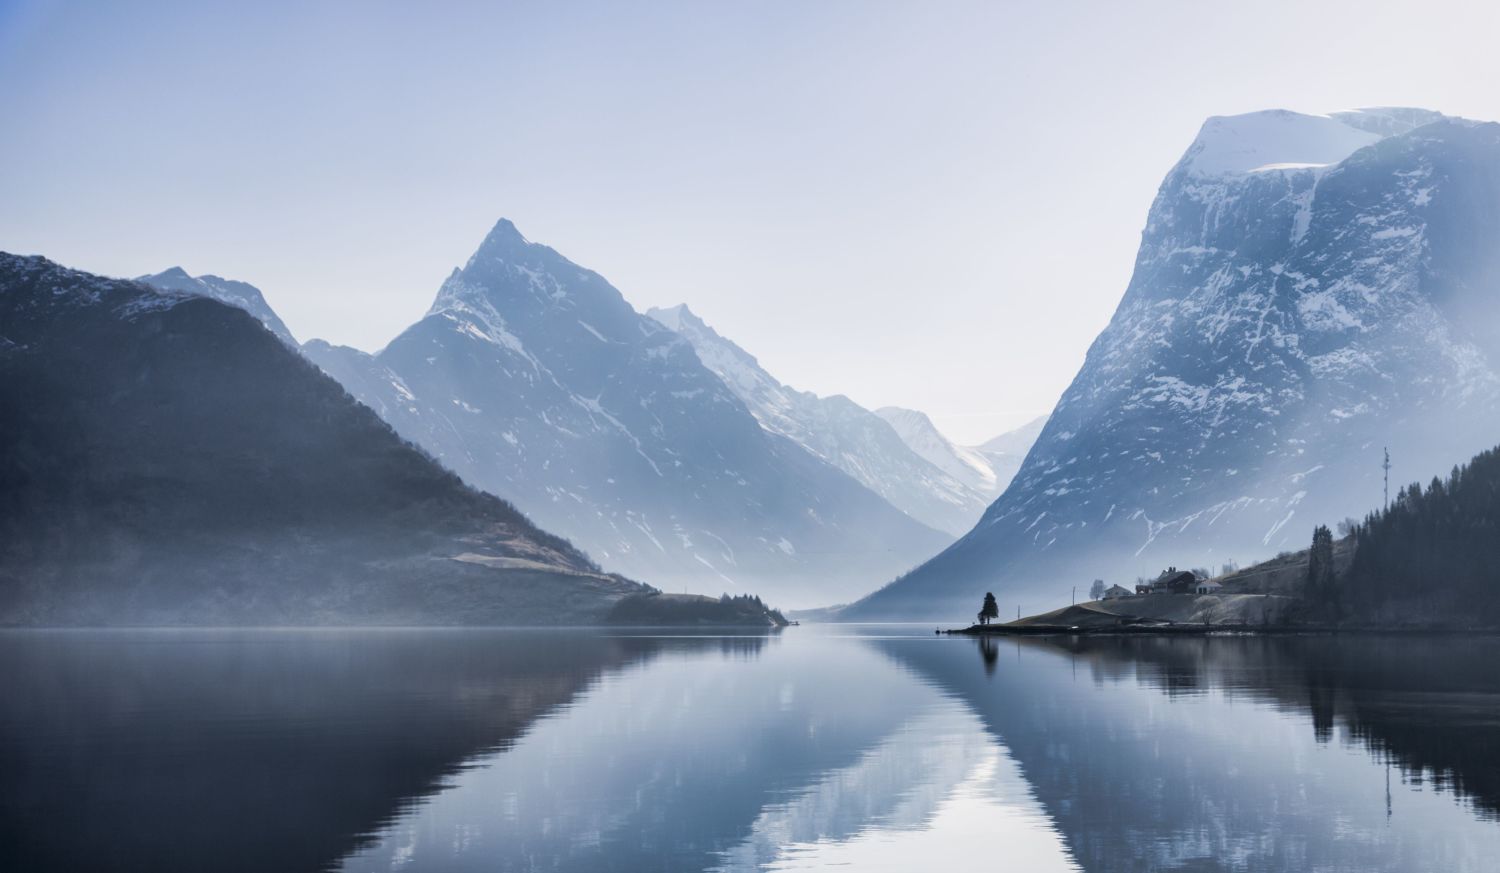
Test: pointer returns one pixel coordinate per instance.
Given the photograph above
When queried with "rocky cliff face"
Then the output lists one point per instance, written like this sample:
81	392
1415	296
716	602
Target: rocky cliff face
1309	290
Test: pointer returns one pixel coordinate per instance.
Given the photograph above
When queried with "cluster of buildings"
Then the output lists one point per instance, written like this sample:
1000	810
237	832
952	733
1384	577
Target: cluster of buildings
1171	581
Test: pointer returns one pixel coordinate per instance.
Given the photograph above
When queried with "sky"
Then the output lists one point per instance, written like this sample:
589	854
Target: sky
933	205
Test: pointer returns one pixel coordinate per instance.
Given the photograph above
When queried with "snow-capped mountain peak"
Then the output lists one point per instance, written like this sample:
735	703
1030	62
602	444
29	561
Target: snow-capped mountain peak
532	377
987	468
171	274
1279	139
1270	140
503	239
241	295
769	401
918	431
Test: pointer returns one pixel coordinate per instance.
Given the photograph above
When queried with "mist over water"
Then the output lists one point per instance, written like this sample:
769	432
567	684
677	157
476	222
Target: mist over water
870	748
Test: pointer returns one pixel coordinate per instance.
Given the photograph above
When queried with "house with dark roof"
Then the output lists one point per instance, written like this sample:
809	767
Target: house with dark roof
1171	581
1177	581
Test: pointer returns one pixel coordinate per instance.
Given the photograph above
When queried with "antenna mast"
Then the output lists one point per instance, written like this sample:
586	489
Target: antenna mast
1387	468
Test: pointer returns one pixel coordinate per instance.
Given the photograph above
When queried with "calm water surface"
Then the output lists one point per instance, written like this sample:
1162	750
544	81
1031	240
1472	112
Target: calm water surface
873	748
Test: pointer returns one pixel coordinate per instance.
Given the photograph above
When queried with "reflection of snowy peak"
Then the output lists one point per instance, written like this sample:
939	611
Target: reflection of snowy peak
838	430
534	379
1308	290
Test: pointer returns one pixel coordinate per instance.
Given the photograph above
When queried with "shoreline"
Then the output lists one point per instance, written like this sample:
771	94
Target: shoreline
1204	630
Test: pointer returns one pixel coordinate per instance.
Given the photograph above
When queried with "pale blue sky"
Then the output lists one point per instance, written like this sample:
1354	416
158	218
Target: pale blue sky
925	204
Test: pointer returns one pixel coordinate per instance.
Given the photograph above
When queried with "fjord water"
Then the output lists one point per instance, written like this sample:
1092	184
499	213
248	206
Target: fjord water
862	747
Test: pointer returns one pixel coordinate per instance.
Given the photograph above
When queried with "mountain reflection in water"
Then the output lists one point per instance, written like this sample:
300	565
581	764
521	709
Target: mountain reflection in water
1276	753
874	749
819	750
256	750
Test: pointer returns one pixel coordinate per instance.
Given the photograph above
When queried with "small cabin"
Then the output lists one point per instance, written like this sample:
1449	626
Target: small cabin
1115	592
1142	588
1208	586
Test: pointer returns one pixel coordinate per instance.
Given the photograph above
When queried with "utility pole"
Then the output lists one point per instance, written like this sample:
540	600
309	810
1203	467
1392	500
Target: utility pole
1075	595
1387	468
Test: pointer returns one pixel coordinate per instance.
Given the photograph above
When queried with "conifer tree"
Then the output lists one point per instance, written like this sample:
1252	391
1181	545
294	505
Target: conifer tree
990	610
1434	553
1320	576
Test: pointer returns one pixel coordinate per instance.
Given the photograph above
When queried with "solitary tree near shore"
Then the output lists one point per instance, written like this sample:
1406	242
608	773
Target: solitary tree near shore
990	610
1096	591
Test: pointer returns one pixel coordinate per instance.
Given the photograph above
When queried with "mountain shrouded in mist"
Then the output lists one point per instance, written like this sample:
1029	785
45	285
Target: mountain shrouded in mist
1309	290
533	378
987	468
838	430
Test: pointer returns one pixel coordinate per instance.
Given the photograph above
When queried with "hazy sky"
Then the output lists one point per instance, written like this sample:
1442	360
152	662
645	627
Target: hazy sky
925	204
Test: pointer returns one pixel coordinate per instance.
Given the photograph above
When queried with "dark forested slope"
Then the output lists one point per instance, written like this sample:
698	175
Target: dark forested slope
1433	555
164	459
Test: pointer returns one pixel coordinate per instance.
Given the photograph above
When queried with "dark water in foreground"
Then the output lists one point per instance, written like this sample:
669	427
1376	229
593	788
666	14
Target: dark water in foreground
865	748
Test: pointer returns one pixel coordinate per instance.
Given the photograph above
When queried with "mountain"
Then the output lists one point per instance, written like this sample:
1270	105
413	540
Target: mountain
1309	289
1006	451
165	459
836	429
533	378
987	468
237	294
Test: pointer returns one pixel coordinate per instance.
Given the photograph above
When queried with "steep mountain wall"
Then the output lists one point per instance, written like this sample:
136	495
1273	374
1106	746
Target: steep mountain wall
1309	290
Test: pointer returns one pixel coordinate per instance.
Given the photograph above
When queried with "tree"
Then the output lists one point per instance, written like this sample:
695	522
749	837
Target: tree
1320	581
1431	554
1096	591
990	610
